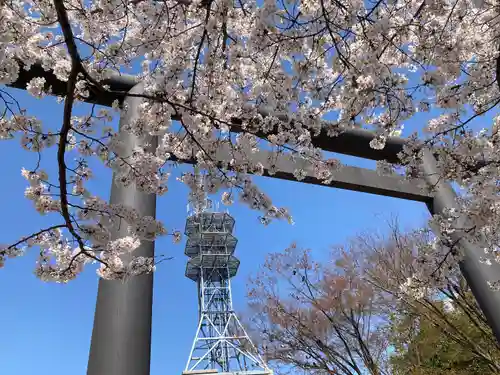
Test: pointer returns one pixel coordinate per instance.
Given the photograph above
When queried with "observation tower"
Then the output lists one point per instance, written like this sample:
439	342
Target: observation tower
221	344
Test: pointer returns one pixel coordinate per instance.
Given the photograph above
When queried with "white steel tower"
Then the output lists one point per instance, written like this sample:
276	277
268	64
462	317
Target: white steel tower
221	344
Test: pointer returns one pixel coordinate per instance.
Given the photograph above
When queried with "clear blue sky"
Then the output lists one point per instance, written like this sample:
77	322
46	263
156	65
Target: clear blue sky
46	328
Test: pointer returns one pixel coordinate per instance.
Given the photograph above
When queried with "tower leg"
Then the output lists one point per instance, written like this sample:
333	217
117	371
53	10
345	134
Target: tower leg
121	337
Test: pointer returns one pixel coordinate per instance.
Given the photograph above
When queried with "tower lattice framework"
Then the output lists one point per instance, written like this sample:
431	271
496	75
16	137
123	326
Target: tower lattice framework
221	343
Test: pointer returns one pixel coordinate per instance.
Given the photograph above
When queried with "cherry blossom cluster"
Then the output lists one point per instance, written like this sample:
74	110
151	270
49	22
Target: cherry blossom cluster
240	87
414	291
38	192
432	259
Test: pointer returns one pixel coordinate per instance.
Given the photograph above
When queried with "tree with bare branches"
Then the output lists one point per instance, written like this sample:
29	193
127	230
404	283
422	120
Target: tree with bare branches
394	264
370	309
318	318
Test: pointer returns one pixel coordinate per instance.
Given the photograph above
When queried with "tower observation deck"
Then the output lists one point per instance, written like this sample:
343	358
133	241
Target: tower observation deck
221	344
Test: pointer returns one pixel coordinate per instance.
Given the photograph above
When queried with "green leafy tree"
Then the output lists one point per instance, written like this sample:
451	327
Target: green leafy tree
421	348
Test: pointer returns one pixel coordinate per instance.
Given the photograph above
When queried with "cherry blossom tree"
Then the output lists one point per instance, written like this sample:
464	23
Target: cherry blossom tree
398	264
348	313
317	317
205	63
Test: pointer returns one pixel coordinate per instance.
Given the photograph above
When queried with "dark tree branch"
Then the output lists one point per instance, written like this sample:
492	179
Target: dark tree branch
24	239
76	68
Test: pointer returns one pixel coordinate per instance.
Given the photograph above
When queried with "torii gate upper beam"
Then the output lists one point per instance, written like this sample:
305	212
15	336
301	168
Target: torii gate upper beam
354	142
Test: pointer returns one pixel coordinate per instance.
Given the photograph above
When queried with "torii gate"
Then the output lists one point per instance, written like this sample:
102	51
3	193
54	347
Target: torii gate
121	336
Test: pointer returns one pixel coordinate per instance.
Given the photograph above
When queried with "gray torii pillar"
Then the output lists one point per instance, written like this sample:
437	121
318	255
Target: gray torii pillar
121	337
476	273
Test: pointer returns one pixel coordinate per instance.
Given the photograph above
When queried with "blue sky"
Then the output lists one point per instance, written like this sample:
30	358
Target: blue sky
46	328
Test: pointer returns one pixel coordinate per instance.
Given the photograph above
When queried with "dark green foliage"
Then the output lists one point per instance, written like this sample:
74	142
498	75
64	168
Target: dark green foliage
421	347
